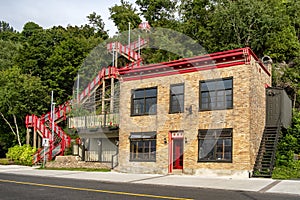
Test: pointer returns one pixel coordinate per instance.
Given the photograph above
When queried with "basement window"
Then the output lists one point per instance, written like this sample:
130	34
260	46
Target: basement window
215	145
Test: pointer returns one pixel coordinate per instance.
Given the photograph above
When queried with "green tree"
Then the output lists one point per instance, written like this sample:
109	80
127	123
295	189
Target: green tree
55	55
36	48
30	28
97	23
124	14
7	32
196	17
293	10
8	52
289	143
158	12
20	94
220	25
65	62
4	26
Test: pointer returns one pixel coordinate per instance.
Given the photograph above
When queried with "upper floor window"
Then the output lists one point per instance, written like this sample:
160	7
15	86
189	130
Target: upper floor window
215	145
143	101
216	94
177	98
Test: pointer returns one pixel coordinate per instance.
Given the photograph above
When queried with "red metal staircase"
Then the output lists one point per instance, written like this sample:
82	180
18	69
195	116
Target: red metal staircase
60	140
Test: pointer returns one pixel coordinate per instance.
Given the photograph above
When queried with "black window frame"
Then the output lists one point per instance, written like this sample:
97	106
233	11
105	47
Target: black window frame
143	100
173	94
146	152
216	97
219	138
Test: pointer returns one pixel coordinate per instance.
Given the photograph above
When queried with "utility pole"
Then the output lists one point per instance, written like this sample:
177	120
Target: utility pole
51	113
139	52
77	89
53	116
129	34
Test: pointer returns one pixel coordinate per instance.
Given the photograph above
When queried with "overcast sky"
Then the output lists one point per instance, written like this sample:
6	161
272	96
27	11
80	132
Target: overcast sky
49	13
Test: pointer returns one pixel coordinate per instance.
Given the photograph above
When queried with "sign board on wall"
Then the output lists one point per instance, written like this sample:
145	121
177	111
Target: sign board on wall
45	142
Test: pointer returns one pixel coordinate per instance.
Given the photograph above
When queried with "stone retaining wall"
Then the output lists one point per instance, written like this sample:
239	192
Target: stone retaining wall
75	162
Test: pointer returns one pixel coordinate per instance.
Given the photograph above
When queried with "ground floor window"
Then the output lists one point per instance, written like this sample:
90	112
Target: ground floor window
215	145
143	146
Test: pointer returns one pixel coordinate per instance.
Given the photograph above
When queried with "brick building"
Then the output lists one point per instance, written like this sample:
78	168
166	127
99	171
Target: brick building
200	115
214	114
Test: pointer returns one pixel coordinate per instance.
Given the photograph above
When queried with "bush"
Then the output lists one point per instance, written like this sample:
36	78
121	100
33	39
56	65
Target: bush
292	171
4	161
21	155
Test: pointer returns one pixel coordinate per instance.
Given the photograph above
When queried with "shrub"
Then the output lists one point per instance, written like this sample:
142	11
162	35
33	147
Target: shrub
4	161
287	172
21	155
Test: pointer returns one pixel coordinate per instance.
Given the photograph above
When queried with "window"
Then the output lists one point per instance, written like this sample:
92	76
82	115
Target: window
216	94
176	98
143	146
215	145
144	101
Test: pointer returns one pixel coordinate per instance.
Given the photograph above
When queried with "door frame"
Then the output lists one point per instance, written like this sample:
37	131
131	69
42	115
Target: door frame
171	136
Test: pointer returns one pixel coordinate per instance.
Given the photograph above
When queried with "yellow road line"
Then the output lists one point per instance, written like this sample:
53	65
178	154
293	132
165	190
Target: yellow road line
93	190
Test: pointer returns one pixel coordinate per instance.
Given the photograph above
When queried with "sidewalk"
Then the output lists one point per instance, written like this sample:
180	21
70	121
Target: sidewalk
226	183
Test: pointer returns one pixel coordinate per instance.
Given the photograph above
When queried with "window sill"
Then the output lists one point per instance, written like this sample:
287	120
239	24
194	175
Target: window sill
214	161
142	160
215	109
176	112
138	115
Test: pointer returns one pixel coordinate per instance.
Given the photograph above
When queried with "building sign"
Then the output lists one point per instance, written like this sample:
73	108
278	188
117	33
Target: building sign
178	134
45	142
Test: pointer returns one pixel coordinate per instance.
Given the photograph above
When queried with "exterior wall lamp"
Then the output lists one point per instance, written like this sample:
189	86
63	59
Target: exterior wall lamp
165	140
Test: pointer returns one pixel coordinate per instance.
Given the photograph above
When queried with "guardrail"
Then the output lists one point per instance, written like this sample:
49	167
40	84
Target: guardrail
94	121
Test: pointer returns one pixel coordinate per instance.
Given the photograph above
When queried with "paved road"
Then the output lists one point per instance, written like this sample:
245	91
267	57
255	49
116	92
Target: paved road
14	187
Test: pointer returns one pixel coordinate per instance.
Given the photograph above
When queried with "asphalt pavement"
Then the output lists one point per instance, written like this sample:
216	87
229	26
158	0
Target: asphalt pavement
265	185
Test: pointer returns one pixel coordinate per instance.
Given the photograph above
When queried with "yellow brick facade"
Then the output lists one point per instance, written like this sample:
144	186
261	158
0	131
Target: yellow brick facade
247	119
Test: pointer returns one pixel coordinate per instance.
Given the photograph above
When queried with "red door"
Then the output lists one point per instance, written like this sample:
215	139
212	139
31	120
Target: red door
178	153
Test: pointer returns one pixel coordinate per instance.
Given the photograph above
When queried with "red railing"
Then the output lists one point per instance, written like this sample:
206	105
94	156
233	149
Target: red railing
44	123
39	125
60	113
123	50
104	72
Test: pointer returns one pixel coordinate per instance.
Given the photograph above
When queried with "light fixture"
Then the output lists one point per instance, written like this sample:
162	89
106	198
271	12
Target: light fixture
165	141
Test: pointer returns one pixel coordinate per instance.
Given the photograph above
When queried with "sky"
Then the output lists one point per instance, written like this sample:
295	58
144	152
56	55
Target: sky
49	13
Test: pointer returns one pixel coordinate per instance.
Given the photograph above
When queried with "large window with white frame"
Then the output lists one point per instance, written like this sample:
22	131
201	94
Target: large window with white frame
215	145
143	146
143	101
216	94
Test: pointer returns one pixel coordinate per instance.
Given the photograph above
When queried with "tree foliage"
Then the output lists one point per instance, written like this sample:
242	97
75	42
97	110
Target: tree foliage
158	12
124	14
98	25
8	52
20	94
